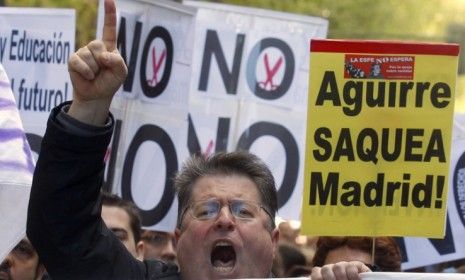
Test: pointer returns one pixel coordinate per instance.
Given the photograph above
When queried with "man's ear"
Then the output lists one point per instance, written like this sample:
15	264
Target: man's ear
177	234
140	250
275	240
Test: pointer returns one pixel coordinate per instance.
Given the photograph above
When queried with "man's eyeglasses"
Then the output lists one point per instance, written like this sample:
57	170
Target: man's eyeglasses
242	210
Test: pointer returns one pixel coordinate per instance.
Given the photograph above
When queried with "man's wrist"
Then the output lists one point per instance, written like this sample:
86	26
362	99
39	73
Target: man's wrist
77	127
94	112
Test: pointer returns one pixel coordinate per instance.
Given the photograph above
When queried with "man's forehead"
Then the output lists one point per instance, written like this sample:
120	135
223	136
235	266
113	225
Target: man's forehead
152	233
114	214
225	185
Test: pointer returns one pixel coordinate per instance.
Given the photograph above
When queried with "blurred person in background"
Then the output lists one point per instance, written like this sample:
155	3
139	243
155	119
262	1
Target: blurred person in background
290	262
461	269
455	266
159	245
287	233
22	263
331	250
122	218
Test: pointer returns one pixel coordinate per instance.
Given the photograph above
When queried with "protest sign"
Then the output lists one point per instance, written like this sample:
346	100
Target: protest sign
34	49
35	45
248	89
16	168
418	252
151	108
378	138
154	133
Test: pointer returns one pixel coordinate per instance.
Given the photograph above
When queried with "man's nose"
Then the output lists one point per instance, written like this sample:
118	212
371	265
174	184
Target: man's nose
169	251
225	219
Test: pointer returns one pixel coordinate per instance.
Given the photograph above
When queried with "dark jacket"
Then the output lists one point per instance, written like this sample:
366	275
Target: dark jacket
64	222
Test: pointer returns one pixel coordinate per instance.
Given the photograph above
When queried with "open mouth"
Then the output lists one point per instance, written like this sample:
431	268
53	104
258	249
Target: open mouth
223	257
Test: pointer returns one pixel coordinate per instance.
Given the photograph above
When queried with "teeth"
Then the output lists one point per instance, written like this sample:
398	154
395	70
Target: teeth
222	243
221	264
221	269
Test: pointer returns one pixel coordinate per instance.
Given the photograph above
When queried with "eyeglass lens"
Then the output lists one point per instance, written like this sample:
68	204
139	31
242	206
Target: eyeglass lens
210	209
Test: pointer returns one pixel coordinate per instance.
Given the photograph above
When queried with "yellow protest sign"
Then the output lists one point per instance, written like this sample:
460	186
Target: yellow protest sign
378	138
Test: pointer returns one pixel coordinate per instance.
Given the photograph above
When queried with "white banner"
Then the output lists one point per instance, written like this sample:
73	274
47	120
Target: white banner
35	45
34	49
397	276
249	89
163	43
16	168
421	251
155	38
410	276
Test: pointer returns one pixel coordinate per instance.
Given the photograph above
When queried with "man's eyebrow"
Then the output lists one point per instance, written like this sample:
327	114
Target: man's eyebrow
118	230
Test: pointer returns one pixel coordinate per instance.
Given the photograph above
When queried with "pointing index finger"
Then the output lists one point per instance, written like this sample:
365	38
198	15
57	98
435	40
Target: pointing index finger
109	25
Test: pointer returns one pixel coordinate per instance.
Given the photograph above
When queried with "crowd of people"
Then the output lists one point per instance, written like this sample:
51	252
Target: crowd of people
226	215
294	258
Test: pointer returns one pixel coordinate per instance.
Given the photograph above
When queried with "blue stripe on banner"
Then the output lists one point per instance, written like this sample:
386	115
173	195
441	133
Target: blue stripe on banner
27	152
13	134
6	103
10	134
15	166
4	84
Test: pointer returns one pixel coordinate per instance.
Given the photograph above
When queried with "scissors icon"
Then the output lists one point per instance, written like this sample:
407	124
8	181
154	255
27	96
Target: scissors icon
270	73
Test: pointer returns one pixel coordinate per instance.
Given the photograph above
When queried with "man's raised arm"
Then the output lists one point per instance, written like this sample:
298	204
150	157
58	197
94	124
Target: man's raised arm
97	71
64	215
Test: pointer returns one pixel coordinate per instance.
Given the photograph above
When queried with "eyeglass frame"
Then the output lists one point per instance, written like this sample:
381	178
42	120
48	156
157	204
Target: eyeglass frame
259	205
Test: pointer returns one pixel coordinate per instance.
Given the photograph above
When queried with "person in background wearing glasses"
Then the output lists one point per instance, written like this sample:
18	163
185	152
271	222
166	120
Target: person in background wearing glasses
227	202
22	263
159	245
387	258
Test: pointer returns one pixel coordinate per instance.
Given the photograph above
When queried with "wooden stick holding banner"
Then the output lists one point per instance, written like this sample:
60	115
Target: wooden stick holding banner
373	249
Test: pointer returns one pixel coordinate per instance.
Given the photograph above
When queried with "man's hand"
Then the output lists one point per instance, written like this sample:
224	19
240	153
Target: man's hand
339	271
97	71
